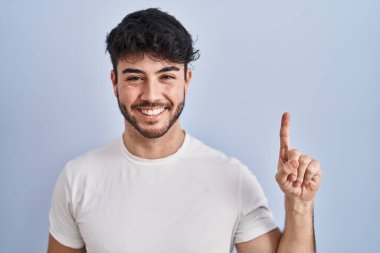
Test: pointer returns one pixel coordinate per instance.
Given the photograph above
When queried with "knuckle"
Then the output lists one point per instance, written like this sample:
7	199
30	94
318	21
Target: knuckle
308	158
309	173
315	165
296	152
311	170
305	160
301	176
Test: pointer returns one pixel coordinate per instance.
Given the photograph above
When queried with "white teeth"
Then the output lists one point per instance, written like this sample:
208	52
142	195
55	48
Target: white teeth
153	112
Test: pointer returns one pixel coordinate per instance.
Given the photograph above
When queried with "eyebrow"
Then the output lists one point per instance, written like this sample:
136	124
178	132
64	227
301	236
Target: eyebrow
166	69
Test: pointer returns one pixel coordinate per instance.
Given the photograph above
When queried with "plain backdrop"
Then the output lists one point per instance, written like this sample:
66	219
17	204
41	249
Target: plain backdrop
319	60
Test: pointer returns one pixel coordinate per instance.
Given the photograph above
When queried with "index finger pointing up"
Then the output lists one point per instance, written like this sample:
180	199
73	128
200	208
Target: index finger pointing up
285	132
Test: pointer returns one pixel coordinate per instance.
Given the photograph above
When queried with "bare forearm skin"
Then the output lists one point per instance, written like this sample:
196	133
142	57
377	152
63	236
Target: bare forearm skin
298	236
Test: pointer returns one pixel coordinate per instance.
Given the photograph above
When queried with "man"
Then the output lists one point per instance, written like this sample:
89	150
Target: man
158	189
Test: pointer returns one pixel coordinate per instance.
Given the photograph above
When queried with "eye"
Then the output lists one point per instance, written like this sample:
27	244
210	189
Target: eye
167	77
133	79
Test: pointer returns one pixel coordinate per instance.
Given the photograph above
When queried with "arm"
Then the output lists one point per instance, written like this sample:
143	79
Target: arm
266	243
64	234
299	178
55	247
298	235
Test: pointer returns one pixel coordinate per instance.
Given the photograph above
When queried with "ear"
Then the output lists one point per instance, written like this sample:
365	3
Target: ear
114	82
189	74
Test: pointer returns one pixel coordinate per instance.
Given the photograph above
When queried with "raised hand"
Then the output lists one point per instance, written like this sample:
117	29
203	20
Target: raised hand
298	175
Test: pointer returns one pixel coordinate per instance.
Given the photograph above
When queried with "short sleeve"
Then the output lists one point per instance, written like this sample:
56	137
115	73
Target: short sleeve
255	217
63	226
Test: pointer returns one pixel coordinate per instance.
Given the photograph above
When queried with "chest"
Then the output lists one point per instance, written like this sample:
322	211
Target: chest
138	213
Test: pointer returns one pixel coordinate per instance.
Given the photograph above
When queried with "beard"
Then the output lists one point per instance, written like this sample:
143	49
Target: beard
155	132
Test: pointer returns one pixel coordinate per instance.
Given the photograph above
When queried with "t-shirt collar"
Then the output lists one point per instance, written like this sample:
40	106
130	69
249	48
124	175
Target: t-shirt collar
154	162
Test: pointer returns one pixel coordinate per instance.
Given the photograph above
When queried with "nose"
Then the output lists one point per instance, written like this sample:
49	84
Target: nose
151	92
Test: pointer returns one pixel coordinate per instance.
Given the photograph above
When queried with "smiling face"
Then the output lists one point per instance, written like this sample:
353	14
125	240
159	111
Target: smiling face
150	94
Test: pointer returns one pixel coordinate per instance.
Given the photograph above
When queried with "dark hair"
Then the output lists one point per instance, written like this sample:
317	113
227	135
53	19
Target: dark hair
153	32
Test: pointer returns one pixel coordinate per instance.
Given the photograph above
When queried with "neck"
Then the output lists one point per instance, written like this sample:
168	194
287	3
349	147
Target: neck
155	148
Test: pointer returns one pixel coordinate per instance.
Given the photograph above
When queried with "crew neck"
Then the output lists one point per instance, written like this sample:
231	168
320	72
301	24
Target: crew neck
154	162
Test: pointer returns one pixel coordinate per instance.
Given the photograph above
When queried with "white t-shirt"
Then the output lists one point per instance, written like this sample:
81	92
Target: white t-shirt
197	200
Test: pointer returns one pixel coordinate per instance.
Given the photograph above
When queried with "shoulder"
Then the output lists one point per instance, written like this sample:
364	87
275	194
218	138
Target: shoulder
202	153
93	159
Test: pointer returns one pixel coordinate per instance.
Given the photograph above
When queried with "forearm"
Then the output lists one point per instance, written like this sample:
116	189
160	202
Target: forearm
298	234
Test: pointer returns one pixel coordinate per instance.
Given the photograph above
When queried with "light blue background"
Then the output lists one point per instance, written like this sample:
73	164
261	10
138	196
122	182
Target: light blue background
318	60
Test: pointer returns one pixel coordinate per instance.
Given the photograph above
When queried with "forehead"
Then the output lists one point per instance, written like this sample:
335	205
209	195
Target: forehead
146	63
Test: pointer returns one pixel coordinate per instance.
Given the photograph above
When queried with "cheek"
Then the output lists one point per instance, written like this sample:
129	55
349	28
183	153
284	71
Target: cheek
176	94
127	97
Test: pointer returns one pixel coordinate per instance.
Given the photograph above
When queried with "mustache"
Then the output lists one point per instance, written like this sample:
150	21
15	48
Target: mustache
149	104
